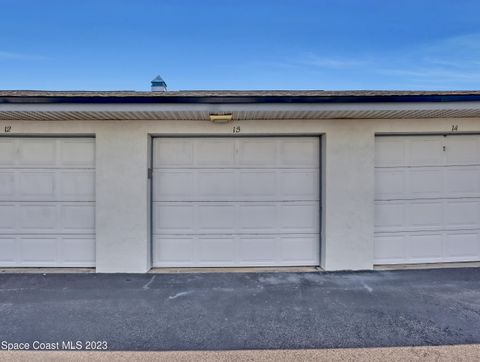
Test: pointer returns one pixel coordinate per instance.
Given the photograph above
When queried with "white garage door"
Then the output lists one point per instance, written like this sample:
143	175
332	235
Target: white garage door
235	202
47	202
427	199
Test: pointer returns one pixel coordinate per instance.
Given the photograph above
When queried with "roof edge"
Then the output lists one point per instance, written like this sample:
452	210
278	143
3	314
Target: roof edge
234	97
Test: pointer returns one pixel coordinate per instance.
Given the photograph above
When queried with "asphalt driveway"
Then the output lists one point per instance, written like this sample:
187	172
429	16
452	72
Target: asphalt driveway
244	310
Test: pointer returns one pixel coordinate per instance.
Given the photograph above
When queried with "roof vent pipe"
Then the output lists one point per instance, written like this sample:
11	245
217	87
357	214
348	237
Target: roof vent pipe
159	85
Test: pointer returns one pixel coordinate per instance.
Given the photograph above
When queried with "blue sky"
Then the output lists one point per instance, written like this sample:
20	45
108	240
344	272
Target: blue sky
242	44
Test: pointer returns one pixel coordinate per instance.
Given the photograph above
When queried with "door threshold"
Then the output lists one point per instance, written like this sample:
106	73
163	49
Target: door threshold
46	270
467	264
285	269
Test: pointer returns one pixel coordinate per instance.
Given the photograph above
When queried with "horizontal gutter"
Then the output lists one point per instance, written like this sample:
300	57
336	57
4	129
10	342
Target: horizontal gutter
238	99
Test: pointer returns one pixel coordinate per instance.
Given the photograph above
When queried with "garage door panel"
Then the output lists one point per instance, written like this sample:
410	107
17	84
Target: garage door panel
425	248
238	198
77	153
174	185
463	246
216	250
194	185
38	217
390	183
78	218
284	184
238	218
416	215
390	215
258	185
462	181
299	249
214	152
77	251
390	152
7	152
432	182
259	249
20	217
204	250
289	250
47	202
425	182
279	217
38	152
390	249
269	152
258	152
258	217
463	213
215	184
298	217
39	250
215	218
415	151
48	153
415	247
301	152
173	250
464	150
173	153
77	185
425	151
37	185
425	214
235	185
8	217
174	217
7	185
47	251
299	185
50	185
235	250
9	250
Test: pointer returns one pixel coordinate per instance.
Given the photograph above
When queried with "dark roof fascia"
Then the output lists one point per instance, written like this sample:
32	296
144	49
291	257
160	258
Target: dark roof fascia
237	99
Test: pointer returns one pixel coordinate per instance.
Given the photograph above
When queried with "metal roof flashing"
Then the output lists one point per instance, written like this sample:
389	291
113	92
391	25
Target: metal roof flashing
234	97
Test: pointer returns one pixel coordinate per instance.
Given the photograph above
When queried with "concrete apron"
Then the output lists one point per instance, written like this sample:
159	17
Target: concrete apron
437	353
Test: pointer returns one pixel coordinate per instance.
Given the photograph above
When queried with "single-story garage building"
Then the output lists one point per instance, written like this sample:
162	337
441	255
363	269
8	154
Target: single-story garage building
127	181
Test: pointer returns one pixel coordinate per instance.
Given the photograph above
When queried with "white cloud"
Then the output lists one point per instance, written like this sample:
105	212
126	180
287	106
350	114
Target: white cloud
444	63
4	55
450	60
314	60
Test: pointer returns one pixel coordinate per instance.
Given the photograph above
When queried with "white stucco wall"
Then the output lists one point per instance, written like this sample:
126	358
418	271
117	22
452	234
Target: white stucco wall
348	178
122	187
122	194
